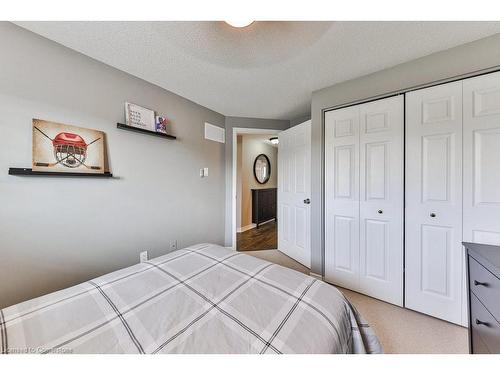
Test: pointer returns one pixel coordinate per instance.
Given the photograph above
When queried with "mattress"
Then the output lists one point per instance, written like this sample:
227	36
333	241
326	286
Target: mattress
201	299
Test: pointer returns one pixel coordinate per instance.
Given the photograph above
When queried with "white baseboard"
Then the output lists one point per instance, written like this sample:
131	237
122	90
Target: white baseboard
265	222
251	226
245	228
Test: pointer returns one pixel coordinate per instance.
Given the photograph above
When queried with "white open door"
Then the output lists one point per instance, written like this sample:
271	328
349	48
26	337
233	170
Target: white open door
294	189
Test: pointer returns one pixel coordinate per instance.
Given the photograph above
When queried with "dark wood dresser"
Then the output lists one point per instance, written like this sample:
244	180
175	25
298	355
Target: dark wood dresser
483	274
263	205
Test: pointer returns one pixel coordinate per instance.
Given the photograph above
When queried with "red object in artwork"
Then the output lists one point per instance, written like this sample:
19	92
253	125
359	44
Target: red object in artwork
69	139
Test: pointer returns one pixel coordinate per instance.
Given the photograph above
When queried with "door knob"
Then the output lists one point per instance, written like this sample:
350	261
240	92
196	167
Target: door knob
307	201
380	211
432	214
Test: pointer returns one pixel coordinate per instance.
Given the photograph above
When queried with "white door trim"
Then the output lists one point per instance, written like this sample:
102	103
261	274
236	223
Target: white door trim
236	132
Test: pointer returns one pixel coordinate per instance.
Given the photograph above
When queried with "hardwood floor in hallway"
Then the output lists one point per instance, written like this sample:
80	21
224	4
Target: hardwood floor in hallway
265	237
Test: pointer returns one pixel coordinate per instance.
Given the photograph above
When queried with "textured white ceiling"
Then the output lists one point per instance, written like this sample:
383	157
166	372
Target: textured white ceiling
267	70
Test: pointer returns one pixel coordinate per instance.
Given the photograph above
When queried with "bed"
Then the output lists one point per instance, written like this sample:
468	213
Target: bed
201	299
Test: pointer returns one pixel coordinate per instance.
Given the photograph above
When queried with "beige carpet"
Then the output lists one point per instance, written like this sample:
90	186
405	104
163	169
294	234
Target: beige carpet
278	257
399	330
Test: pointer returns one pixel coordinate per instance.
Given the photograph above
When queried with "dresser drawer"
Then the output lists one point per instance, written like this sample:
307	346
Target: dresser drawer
485	286
485	329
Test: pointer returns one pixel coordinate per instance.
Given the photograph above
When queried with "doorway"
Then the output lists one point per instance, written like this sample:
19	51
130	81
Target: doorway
293	189
233	227
256	192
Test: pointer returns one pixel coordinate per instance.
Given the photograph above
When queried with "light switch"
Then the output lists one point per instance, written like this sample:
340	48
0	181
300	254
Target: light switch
205	172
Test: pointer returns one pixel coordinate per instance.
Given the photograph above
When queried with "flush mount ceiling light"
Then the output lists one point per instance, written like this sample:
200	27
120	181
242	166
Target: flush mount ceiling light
274	140
239	23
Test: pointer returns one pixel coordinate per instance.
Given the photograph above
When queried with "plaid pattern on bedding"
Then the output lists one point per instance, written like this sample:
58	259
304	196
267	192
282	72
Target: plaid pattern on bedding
201	299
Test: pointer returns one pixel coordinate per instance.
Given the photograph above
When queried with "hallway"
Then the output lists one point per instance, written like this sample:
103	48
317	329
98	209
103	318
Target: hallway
263	238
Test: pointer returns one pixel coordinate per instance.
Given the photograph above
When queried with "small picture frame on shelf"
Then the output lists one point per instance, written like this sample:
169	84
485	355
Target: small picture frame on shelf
139	117
161	124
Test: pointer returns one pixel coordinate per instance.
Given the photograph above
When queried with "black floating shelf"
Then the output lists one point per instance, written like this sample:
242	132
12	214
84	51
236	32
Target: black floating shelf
30	172
144	131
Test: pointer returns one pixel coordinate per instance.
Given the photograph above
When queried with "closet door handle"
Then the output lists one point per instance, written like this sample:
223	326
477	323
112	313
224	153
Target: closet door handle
432	214
380	211
476	283
479	322
307	201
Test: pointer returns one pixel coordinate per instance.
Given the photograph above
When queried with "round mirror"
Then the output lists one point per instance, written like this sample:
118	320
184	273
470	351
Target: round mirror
262	169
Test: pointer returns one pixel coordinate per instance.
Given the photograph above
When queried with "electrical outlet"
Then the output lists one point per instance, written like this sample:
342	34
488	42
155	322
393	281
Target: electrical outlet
173	245
143	256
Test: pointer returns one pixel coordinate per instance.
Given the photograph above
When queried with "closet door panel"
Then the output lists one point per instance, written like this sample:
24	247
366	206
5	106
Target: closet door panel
381	199
342	197
481	153
433	216
436	172
482	159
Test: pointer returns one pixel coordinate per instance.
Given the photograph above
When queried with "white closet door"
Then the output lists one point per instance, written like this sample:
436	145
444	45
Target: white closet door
381	199
342	197
482	159
433	216
294	192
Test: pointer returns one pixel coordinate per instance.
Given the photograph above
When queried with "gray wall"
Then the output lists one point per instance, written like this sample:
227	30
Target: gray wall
478	55
241	122
55	232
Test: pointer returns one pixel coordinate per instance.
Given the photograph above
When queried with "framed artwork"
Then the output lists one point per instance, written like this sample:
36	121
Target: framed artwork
139	117
66	148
